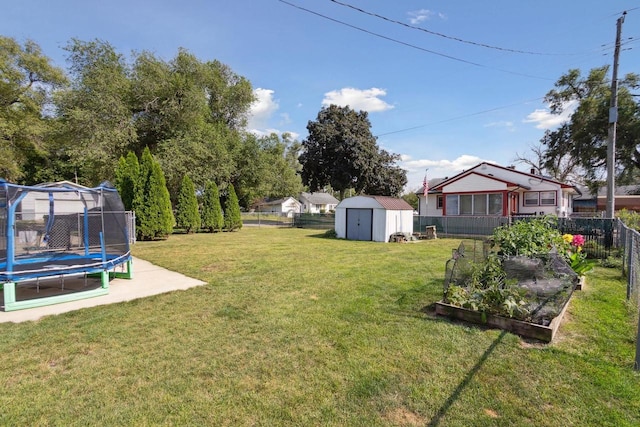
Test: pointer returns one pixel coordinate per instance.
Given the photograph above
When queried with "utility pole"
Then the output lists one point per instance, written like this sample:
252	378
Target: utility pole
613	120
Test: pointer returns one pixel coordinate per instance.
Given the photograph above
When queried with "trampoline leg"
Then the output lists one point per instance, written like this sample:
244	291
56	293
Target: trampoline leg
104	279
62	282
37	285
9	289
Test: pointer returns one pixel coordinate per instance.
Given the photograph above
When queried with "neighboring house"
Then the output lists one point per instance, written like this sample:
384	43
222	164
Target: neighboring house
373	218
318	202
626	197
492	190
287	206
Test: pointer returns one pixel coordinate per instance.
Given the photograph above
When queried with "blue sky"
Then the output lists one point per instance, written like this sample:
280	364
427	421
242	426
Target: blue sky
442	104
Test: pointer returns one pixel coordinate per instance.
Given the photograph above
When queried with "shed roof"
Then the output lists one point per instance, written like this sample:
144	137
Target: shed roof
376	202
392	203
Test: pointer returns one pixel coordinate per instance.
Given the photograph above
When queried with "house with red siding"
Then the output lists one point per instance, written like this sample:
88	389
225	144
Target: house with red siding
491	190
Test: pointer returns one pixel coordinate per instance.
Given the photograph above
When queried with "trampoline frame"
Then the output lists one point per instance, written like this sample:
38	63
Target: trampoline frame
87	260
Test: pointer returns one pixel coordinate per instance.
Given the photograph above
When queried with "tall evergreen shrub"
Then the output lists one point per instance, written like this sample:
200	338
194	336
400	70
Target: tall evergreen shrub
127	175
212	218
154	217
187	214
232	218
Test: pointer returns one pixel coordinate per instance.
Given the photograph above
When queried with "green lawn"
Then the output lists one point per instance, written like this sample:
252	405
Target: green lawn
297	330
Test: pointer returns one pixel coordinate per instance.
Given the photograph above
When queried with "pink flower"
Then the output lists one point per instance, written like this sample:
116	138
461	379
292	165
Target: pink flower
578	240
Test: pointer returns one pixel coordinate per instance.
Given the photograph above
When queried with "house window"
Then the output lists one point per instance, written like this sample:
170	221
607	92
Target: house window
495	204
439	202
531	198
540	198
466	204
452	205
480	204
474	204
547	198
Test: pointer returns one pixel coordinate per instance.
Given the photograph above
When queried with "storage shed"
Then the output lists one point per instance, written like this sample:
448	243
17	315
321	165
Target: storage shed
373	218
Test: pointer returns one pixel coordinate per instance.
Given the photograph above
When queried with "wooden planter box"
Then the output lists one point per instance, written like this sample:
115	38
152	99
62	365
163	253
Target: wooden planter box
524	329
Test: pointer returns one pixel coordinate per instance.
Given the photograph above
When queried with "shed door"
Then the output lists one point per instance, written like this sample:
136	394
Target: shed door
359	224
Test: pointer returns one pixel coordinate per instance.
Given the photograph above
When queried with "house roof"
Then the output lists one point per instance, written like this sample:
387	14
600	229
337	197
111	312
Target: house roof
277	202
62	184
432	183
620	190
319	198
520	179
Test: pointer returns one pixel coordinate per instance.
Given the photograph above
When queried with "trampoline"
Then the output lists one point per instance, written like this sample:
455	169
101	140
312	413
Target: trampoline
60	230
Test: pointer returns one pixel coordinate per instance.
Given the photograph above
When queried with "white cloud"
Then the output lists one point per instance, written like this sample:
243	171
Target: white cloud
261	112
547	120
419	16
267	132
416	169
358	99
262	108
501	124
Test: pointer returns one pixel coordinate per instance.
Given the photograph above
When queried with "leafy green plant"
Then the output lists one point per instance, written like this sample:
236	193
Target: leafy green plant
611	262
575	256
527	237
330	234
630	218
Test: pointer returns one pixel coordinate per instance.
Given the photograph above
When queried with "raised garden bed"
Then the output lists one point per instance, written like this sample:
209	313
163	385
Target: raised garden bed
537	331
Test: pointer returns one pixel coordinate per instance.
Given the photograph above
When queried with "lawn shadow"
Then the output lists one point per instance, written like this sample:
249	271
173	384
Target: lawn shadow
321	236
465	382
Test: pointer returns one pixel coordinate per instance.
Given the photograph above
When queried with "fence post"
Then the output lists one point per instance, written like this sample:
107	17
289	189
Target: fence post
636	365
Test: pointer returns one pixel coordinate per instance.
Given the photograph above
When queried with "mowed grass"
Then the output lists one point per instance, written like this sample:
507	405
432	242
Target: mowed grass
293	329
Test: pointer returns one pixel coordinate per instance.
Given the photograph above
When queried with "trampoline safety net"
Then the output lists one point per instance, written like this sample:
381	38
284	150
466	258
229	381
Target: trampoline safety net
60	228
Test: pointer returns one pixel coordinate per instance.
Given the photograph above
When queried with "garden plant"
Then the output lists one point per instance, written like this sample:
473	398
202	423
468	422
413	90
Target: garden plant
529	273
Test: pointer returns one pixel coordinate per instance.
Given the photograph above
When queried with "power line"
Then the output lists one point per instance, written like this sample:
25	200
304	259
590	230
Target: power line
477	113
488	46
453	58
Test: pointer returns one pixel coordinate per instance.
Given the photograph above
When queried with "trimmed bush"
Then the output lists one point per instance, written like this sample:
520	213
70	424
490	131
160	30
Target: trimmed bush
187	214
232	218
127	175
154	217
212	218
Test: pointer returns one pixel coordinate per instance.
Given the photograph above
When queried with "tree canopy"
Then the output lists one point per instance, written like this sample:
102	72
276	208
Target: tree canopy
27	83
583	139
191	114
341	151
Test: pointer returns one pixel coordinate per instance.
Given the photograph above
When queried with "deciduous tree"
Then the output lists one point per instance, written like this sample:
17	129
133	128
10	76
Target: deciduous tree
341	151
96	109
27	82
584	137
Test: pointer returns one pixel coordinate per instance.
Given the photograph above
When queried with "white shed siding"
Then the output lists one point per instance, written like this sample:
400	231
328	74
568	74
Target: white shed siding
341	223
385	222
397	222
379	226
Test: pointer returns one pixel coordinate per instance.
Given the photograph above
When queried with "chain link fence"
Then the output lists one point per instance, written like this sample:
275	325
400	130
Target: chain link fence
629	240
